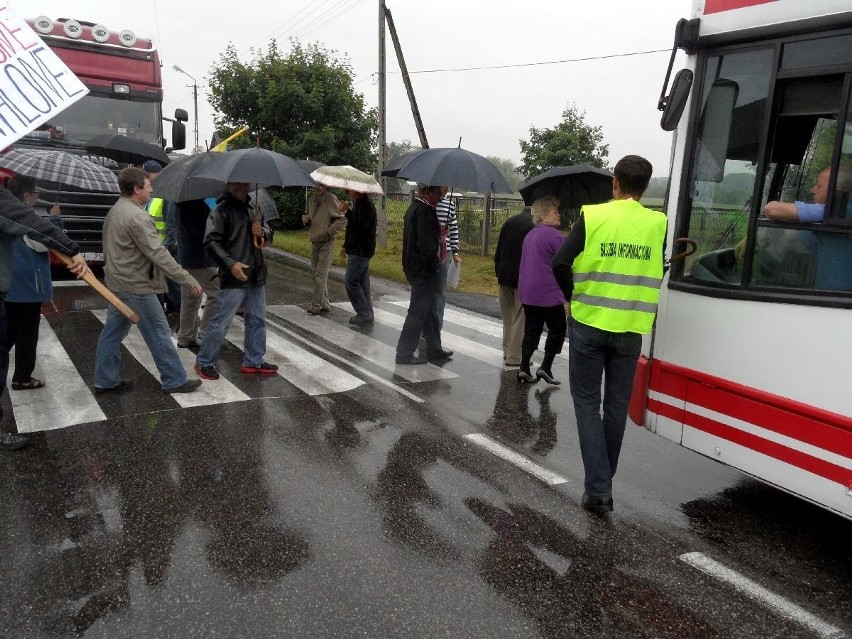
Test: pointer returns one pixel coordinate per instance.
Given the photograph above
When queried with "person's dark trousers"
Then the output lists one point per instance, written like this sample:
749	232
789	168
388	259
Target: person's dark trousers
22	322
422	316
357	282
172	297
535	319
442	290
4	353
594	355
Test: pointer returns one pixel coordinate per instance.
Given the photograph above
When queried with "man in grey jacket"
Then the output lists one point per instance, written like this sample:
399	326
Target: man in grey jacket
135	265
16	220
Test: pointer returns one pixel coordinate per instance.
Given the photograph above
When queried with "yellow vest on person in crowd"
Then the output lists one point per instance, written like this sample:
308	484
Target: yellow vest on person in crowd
155	210
617	277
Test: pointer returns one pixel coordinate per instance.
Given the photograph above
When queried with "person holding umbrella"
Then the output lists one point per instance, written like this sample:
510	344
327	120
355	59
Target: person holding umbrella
324	215
421	263
18	219
31	285
230	239
359	246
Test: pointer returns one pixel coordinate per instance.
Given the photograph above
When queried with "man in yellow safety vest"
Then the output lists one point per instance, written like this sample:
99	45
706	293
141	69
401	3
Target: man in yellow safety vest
610	268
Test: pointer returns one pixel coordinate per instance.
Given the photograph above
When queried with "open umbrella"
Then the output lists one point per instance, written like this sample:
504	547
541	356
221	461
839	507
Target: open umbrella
347	177
124	149
393	167
309	165
574	186
178	182
60	167
454	167
257	166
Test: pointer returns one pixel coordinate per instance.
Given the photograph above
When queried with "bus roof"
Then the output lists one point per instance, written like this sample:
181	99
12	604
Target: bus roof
768	17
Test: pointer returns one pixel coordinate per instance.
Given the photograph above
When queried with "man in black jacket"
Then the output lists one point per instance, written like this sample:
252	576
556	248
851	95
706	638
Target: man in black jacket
421	261
17	219
359	246
507	264
191	226
230	241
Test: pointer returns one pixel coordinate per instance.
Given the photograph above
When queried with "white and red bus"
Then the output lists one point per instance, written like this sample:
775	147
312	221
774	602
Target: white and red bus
750	362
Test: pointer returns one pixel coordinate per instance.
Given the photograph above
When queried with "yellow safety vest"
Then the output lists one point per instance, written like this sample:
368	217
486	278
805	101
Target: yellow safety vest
155	210
617	277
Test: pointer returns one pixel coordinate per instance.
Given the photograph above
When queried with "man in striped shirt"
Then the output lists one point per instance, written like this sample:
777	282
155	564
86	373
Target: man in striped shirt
448	220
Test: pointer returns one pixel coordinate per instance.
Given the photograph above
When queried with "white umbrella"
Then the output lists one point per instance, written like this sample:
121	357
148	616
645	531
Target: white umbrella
347	177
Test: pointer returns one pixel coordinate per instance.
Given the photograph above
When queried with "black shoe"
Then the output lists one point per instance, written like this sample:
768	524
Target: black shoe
11	441
188	344
600	505
440	355
361	320
124	384
526	378
547	376
410	360
207	372
187	387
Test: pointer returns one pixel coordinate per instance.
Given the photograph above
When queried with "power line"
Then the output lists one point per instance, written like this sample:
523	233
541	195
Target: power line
331	19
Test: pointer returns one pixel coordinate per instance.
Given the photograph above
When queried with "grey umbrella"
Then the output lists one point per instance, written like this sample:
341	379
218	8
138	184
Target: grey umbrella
125	149
257	166
178	183
454	167
573	186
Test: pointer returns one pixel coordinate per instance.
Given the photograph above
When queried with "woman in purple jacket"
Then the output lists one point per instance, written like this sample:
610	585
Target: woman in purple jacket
539	293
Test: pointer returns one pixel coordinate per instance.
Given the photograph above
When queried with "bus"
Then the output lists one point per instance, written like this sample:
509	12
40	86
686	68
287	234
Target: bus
750	360
122	73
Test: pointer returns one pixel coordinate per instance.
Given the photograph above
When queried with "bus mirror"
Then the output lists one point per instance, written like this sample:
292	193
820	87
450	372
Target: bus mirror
181	115
178	135
676	100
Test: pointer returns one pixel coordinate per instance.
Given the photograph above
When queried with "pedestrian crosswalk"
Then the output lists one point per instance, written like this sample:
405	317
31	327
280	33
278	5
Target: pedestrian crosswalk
316	355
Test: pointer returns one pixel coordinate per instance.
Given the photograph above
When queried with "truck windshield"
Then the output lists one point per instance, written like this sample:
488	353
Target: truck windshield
96	115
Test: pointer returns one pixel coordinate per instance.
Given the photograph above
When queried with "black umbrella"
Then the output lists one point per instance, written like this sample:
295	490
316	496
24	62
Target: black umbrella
124	149
393	167
257	166
454	167
574	186
178	183
309	165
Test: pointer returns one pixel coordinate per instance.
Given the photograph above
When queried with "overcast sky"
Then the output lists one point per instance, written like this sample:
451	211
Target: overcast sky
489	109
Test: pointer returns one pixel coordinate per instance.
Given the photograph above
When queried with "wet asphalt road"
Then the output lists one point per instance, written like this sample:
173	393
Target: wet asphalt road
371	511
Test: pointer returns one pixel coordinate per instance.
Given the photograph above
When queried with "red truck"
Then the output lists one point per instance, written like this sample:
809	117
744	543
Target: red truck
122	73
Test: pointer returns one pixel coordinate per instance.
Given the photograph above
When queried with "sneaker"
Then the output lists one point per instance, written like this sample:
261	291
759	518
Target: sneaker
206	372
187	387
124	384
10	441
264	368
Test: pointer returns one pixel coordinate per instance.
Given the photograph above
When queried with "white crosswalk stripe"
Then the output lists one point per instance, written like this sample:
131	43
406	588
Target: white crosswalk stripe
64	401
361	345
317	354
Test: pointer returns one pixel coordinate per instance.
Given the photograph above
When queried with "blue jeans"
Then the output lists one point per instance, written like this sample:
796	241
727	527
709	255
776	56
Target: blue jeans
593	354
253	301
357	282
156	333
422	316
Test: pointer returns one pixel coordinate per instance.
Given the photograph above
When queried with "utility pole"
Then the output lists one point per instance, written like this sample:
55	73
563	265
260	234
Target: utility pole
418	122
383	201
196	148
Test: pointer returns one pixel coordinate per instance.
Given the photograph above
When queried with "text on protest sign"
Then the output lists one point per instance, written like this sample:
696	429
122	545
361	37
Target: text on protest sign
34	83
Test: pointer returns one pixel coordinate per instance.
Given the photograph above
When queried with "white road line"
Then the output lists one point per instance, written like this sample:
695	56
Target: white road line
362	345
516	458
218	391
757	592
309	373
481	324
468	347
64	401
362	371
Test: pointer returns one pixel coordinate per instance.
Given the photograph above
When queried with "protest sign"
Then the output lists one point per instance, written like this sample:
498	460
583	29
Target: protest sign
35	84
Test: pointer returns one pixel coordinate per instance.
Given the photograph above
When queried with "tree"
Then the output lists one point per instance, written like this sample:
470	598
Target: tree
572	141
396	150
508	170
302	104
